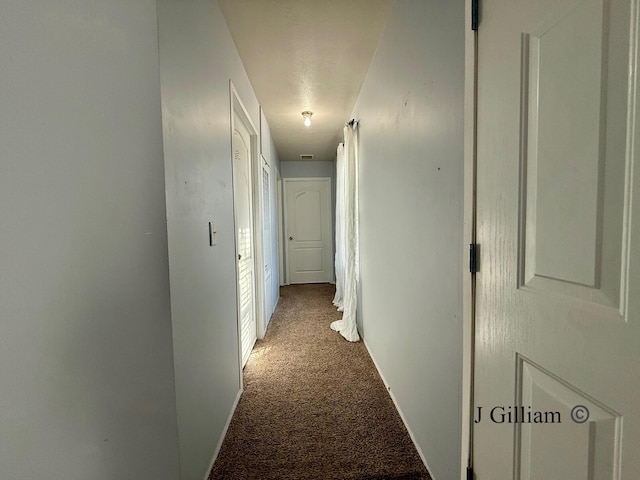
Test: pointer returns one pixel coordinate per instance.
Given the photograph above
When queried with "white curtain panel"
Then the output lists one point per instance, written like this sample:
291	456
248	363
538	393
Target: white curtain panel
348	212
338	299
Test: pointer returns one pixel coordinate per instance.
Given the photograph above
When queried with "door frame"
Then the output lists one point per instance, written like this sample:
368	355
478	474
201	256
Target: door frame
237	108
469	235
287	261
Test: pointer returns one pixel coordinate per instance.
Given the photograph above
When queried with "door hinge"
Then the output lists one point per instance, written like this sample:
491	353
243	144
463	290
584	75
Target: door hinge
475	14
473	257
470	475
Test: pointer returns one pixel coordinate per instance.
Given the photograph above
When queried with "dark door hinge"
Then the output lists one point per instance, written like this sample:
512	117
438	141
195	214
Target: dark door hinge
475	14
470	475
473	257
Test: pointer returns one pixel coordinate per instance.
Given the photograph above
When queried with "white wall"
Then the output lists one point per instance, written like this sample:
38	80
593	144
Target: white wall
307	168
411	197
197	59
86	370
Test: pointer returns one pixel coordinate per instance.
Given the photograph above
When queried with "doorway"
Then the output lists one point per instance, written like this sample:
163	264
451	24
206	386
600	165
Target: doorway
244	158
308	242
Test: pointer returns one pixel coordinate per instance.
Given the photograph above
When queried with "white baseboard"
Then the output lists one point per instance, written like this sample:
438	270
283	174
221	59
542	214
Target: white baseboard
393	398
224	433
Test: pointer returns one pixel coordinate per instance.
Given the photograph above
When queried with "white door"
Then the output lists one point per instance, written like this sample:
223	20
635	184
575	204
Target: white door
308	230
242	198
266	236
558	290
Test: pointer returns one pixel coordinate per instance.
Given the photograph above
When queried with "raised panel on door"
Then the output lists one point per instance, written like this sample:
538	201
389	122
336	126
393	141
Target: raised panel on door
307	215
553	416
574	158
557	324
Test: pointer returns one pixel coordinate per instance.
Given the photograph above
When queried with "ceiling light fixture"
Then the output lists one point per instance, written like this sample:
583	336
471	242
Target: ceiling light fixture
307	118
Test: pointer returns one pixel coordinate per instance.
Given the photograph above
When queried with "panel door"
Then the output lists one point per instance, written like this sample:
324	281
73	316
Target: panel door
242	197
557	393
308	230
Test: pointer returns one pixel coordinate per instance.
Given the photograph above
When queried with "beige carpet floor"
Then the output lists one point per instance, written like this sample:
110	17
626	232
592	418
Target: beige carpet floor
314	406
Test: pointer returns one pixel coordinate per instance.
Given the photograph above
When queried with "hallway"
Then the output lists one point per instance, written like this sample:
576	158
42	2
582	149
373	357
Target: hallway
314	406
118	238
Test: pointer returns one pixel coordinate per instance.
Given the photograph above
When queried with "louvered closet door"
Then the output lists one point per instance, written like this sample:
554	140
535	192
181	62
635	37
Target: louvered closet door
266	235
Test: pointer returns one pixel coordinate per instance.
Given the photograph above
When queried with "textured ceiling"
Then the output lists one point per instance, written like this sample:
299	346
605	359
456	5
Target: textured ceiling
306	55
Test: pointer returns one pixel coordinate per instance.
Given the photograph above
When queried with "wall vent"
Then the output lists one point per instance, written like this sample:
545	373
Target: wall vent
306	156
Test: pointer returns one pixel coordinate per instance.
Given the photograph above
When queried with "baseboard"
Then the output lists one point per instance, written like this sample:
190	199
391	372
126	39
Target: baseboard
393	399
224	433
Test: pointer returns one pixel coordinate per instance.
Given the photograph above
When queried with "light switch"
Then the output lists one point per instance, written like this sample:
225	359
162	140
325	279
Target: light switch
212	234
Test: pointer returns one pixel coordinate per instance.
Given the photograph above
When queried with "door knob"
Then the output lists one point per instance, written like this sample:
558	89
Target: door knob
290	238
239	257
